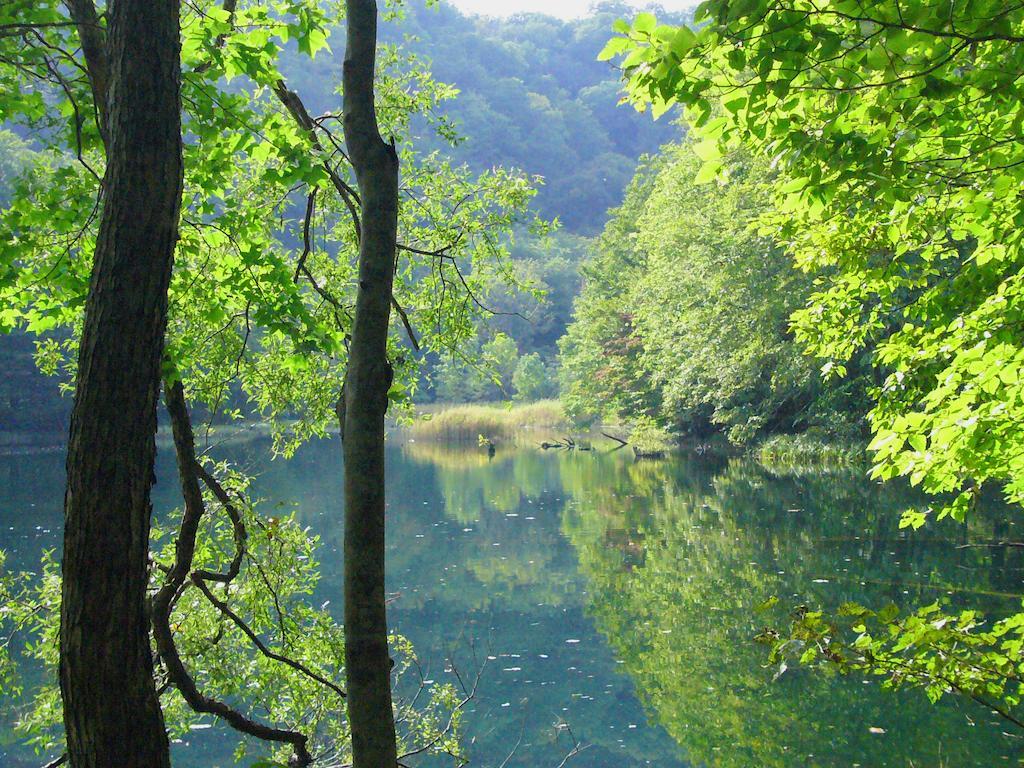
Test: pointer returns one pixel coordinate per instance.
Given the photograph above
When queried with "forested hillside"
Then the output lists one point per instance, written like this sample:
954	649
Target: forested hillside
531	95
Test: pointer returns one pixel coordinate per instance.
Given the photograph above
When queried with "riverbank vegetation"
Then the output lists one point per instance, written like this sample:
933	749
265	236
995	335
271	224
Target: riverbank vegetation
892	130
684	314
816	449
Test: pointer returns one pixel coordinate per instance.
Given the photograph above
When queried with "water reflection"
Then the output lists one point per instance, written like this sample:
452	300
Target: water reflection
674	573
615	597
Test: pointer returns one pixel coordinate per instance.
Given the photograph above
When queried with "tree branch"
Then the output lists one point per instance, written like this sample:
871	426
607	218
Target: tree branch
405	321
184	553
93	39
297	109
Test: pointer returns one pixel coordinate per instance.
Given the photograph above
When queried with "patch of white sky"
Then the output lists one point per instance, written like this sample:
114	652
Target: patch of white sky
565	9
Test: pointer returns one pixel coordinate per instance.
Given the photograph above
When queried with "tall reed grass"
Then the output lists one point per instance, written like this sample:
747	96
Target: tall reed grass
495	422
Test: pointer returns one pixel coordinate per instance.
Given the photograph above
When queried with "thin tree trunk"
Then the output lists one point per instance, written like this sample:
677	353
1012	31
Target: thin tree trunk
368	663
112	714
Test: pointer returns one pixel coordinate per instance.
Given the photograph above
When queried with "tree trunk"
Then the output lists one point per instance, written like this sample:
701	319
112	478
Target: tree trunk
368	663
112	714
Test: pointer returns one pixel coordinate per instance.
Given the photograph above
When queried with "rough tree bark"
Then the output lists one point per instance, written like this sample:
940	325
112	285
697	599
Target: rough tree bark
368	663
112	712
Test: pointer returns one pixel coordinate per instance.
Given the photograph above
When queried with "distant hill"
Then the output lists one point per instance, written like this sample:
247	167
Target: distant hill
533	96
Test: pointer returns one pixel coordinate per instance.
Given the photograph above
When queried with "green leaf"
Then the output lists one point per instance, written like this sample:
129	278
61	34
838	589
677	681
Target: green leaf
645	23
683	41
615	47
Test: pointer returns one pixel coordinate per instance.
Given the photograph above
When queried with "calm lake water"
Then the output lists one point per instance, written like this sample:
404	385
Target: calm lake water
614	599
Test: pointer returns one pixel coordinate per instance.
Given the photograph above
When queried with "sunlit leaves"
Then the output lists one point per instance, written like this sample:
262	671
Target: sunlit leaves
272	595
691	302
895	130
247	324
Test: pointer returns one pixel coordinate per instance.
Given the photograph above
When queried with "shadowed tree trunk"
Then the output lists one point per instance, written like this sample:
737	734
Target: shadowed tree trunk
112	714
368	663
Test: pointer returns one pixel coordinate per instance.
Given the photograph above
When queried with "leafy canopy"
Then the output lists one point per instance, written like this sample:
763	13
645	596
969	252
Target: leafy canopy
260	303
895	129
684	313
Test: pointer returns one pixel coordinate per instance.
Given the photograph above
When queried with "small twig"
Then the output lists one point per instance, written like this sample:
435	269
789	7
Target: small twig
307	244
519	741
468	696
576	746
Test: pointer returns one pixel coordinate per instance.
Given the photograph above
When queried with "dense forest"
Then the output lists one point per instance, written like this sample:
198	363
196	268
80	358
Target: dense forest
685	313
705	314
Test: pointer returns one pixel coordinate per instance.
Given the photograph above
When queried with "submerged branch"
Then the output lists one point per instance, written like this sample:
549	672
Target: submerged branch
622	443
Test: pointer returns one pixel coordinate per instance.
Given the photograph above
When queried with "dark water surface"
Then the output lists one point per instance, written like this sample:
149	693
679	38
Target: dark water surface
614	599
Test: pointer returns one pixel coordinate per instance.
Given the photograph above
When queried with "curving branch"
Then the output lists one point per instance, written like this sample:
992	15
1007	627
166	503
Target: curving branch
237	526
189	472
237	620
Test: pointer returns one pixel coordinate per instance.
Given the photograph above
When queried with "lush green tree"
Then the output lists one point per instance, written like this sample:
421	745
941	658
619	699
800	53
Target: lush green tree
501	356
267	264
532	380
600	371
457	378
482	371
894	131
713	303
550	266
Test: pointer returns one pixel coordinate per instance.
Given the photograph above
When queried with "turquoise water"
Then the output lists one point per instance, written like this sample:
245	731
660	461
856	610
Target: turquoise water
612	599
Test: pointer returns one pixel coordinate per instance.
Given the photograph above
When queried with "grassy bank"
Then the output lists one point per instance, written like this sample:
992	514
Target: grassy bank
498	422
